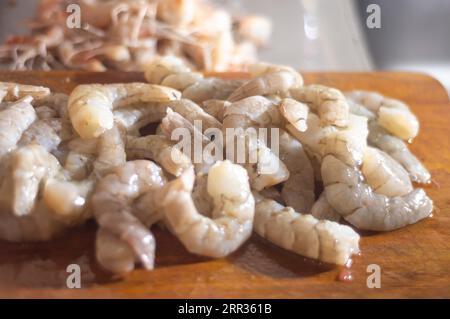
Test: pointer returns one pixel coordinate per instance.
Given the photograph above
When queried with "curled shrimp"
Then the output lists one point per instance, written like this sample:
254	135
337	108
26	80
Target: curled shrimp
91	106
304	234
384	175
232	219
267	79
268	169
349	143
392	145
172	72
329	103
393	115
348	193
112	204
11	92
399	151
14	120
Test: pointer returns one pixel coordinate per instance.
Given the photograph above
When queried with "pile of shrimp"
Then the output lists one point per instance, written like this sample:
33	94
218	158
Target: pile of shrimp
99	35
342	165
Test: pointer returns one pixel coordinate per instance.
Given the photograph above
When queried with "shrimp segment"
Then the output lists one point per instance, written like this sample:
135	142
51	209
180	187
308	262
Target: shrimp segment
303	234
393	115
330	104
351	197
91	106
267	79
172	72
14	120
11	92
399	151
159	149
384	174
30	166
298	190
232	218
112	201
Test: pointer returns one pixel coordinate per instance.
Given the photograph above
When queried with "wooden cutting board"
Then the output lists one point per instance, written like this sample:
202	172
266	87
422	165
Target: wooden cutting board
414	261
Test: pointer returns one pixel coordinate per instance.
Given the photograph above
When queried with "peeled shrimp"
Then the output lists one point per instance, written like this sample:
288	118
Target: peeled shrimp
11	92
159	149
267	170
298	190
393	115
172	72
329	103
348	143
29	167
133	118
384	175
350	196
91	106
216	108
14	120
304	234
49	133
267	79
232	218
399	151
112	202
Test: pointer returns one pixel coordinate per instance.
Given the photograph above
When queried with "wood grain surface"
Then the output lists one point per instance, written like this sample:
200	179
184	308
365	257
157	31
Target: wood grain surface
414	261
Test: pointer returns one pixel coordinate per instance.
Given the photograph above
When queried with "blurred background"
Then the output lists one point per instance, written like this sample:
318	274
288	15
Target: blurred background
323	35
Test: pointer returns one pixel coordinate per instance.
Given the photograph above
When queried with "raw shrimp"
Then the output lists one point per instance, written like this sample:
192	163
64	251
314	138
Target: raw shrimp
91	106
216	108
111	202
399	151
348	143
172	72
267	79
46	133
304	234
295	113
350	196
133	118
384	175
323	210
393	115
232	218
28	168
14	120
111	150
67	196
159	149
193	112
11	92
41	225
329	103
268	169
392	145
298	190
